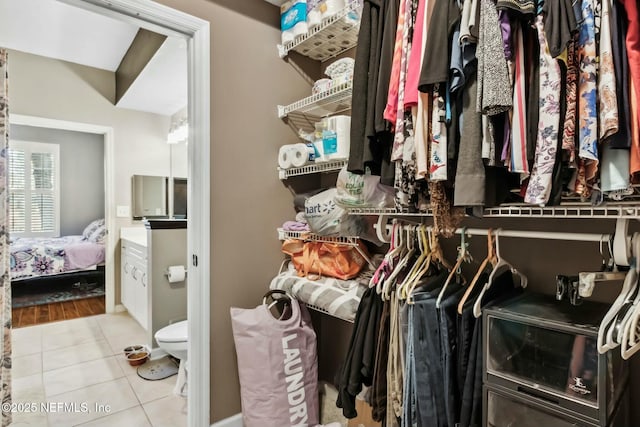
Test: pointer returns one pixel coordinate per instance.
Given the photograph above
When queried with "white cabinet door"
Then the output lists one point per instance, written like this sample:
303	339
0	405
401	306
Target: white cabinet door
133	281
126	284
139	285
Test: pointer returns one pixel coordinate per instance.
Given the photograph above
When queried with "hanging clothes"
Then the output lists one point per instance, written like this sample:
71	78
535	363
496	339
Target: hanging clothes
608	105
358	366
494	85
364	84
469	186
587	95
560	25
540	183
517	156
621	139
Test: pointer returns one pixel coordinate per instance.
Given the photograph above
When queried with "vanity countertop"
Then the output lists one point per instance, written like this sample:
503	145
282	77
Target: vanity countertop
137	235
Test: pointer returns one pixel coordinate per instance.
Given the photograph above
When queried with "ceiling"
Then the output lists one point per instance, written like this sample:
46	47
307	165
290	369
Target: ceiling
57	30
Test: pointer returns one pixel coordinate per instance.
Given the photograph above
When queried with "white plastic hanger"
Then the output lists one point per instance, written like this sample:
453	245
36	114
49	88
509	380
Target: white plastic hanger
423	268
378	277
628	287
410	246
425	252
616	328
400	248
630	342
491	258
463	255
423	247
501	264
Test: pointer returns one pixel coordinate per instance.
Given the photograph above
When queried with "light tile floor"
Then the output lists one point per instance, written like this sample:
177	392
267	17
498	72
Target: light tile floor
76	369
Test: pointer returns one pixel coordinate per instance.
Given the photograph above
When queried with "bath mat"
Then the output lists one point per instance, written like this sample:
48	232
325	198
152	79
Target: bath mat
158	369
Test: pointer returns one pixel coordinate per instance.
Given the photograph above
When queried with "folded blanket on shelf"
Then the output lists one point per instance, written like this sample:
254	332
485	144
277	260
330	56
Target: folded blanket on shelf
339	298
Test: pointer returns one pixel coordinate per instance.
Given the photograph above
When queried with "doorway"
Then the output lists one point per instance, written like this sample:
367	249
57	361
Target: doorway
167	21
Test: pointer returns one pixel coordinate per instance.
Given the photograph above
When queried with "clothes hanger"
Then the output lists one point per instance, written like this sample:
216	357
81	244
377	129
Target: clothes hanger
490	259
396	253
422	270
423	248
618	325
608	272
630	344
423	245
384	267
628	287
463	255
410	246
477	306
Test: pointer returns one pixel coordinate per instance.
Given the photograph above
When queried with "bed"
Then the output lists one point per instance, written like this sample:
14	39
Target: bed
50	256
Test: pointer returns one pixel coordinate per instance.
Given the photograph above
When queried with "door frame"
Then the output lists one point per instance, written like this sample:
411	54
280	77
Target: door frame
165	20
109	185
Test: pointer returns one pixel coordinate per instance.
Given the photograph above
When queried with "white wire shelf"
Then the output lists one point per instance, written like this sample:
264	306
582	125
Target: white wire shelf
312	237
333	36
312	168
323	311
305	113
612	211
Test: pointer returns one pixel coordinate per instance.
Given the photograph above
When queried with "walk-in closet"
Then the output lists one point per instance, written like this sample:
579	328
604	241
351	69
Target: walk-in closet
462	242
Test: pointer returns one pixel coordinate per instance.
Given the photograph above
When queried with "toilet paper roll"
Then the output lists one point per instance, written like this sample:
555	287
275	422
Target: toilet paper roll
176	273
301	154
300	28
332	7
314	18
284	157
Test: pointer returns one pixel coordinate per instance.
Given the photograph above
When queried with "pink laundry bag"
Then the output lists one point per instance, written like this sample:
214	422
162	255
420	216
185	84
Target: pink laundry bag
277	363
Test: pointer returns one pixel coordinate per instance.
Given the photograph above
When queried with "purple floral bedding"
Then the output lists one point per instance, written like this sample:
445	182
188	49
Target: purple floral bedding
32	257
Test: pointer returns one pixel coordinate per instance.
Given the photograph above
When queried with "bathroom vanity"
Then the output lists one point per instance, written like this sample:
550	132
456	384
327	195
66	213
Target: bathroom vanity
146	253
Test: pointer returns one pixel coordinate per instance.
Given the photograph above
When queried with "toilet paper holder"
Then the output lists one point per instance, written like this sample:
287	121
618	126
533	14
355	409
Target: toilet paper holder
167	271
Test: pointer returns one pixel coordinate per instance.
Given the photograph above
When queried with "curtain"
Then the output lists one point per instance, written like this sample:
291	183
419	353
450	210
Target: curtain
5	279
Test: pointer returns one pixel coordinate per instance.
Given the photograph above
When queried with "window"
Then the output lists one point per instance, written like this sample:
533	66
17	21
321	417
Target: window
34	189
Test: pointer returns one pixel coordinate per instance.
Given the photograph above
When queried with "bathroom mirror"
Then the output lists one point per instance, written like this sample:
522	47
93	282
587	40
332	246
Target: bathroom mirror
150	196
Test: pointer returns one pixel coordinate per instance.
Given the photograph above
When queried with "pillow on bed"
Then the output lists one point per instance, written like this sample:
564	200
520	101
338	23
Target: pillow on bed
93	228
99	235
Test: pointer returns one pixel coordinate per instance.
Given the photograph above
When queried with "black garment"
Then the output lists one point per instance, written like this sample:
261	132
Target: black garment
379	387
559	24
437	51
619	24
381	141
502	288
386	61
430	406
532	65
365	73
557	181
465	325
447	319
358	366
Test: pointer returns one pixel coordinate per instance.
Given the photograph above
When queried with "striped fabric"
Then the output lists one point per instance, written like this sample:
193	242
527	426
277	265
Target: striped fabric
340	298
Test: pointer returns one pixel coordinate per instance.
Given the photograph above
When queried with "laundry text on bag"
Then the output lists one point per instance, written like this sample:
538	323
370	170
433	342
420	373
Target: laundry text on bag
295	384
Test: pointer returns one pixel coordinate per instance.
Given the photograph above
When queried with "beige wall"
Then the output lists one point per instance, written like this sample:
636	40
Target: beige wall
61	90
248	202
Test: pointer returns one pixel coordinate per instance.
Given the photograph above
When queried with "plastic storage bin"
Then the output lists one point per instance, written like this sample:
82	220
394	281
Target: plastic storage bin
545	350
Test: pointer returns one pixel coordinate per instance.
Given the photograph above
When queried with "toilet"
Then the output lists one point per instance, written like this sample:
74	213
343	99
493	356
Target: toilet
173	340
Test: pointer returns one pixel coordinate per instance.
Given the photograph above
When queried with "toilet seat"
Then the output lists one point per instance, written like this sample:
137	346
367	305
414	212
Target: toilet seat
176	332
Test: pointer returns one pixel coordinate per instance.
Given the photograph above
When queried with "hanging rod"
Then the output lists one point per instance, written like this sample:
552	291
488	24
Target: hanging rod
546	235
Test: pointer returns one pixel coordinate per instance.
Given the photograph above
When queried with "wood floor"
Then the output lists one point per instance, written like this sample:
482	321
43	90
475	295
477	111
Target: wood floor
37	314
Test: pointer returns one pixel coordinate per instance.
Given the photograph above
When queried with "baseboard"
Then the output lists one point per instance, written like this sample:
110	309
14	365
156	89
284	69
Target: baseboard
119	308
233	421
